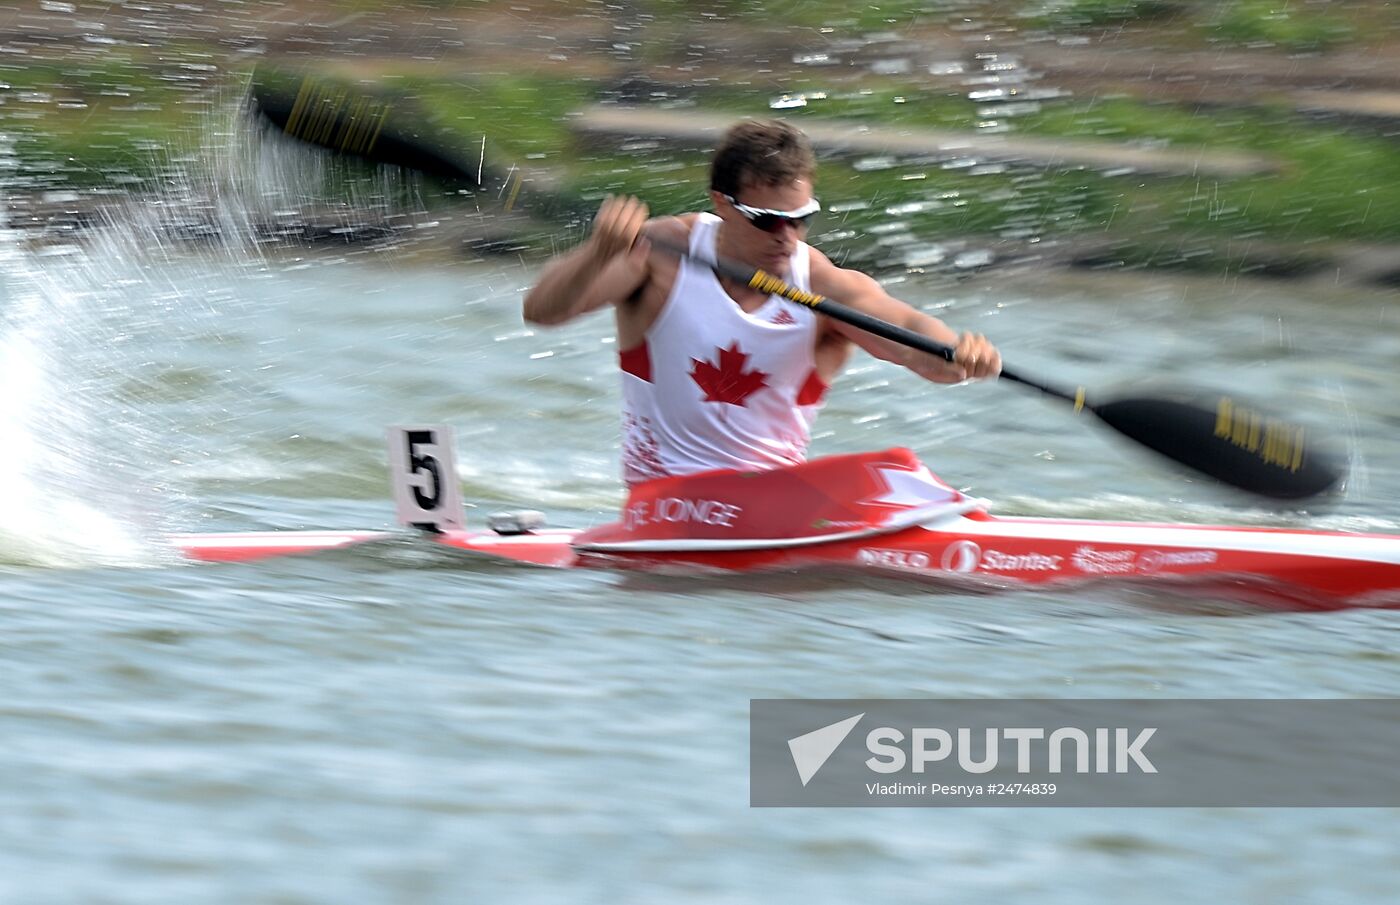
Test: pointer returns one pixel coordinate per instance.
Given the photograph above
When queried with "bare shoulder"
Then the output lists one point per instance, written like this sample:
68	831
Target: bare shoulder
663	264
636	316
676	228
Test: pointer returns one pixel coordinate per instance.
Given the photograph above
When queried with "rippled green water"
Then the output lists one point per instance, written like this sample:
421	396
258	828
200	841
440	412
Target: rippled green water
397	725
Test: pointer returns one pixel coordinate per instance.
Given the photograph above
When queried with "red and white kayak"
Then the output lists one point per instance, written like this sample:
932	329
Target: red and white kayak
885	512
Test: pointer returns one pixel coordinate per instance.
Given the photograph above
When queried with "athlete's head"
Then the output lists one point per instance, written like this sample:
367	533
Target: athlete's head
760	152
761	186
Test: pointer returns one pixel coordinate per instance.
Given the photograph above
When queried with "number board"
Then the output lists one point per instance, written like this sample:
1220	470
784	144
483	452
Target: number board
423	472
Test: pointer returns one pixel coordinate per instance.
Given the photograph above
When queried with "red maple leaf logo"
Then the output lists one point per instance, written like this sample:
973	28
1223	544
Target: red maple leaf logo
784	317
728	382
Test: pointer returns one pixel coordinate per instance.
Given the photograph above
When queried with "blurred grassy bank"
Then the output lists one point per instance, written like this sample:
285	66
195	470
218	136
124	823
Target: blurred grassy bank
124	117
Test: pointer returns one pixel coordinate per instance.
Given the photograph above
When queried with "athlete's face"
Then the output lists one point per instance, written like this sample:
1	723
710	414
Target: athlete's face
765	222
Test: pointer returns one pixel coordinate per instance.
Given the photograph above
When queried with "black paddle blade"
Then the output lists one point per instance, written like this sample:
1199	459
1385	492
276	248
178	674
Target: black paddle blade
357	124
1227	441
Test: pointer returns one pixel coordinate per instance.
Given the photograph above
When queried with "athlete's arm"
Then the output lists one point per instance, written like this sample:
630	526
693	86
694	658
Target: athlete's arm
608	268
974	356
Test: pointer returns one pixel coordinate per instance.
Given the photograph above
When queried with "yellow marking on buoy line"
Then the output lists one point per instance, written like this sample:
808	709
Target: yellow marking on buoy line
1276	443
1078	400
768	283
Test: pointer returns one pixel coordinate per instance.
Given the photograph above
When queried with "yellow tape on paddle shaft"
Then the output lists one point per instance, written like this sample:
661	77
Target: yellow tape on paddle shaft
765	282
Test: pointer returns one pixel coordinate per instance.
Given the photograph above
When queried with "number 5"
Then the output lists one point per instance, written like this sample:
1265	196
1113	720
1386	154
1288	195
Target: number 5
423	473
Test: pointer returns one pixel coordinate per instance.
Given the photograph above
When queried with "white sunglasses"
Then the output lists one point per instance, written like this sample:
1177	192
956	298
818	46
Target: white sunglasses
770	221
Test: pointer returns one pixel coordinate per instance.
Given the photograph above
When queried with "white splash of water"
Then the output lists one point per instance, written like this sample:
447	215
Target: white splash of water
90	471
65	502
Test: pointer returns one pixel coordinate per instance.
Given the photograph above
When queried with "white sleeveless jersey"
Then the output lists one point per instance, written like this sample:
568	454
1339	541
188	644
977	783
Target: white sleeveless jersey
712	386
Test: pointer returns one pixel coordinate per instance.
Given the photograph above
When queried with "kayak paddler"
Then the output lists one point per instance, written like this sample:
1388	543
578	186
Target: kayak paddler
717	374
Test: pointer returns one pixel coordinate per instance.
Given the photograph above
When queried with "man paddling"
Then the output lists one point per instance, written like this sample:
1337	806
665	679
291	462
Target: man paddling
718	374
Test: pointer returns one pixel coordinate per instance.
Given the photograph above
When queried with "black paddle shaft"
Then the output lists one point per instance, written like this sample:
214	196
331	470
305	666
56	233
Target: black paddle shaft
764	281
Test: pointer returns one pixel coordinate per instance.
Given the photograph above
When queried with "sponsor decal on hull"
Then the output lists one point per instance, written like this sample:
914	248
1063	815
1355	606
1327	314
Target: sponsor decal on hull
962	557
893	559
1156	560
996	561
1093	561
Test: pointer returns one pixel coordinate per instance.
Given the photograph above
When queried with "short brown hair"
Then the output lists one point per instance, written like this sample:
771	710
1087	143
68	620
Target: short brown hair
766	152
